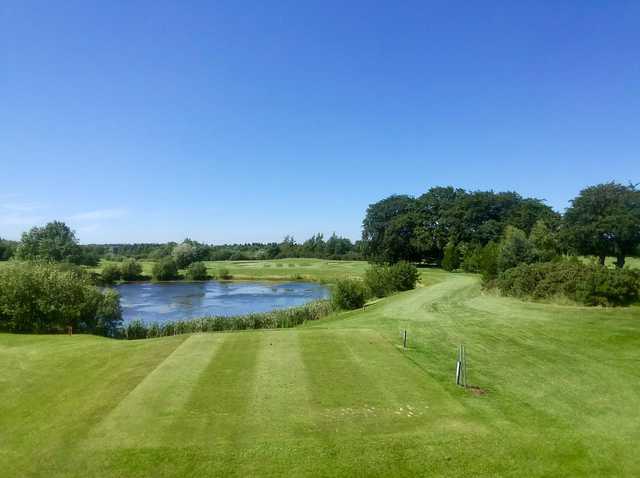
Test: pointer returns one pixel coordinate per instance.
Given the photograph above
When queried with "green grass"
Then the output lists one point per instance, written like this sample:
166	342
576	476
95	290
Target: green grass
321	270
337	397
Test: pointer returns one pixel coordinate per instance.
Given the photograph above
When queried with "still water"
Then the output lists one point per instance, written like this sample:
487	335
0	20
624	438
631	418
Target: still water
160	302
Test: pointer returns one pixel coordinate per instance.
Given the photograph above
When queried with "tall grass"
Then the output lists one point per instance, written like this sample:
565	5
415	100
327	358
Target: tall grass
276	319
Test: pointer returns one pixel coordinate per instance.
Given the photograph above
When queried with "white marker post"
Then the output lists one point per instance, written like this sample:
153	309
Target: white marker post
461	367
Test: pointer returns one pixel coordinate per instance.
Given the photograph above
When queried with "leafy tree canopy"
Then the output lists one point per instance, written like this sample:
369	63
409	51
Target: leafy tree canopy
604	220
54	242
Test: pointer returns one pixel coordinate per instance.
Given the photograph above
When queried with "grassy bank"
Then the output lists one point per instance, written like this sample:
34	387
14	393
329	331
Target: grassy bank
559	390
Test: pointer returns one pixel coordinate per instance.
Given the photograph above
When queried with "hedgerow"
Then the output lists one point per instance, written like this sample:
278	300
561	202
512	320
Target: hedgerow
582	283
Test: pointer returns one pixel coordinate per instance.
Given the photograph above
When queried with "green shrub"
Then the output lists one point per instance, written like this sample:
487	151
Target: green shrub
582	283
381	280
165	269
472	258
111	273
130	269
489	261
196	271
377	279
223	274
403	276
47	297
349	294
109	314
515	249
451	259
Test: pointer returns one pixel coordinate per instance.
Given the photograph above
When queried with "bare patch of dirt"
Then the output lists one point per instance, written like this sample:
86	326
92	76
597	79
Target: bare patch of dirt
477	391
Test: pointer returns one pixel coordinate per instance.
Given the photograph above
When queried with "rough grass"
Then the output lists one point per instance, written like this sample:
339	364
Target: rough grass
337	397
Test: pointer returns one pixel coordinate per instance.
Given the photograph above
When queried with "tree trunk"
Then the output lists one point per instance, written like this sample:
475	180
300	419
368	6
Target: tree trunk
620	261
601	259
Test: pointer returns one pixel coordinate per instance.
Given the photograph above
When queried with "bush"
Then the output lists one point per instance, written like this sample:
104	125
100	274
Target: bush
349	294
165	269
377	279
489	261
196	271
472	258
515	249
130	269
109	314
223	274
403	276
46	297
111	273
585	284
451	259
381	280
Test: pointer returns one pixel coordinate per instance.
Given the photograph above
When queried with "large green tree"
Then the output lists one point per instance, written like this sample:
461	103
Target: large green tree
388	229
53	242
436	210
604	220
404	228
184	254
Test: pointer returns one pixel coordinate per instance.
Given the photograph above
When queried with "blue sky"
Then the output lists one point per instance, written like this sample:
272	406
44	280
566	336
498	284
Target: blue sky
248	120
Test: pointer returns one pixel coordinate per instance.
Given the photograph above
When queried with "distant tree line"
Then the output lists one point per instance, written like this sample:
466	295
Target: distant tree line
57	242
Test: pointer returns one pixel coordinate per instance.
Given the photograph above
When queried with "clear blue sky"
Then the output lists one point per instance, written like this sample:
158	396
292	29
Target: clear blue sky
246	121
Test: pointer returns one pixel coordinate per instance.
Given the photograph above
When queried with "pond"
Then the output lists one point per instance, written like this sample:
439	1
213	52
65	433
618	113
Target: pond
169	301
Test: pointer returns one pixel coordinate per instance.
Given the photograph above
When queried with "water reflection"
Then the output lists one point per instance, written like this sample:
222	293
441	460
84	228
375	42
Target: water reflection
160	302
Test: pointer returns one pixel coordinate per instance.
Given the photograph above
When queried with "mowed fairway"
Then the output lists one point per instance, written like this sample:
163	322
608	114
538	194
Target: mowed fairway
338	397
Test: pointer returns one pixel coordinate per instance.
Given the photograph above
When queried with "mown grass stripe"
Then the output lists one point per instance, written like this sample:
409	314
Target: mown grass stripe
281	390
141	418
217	406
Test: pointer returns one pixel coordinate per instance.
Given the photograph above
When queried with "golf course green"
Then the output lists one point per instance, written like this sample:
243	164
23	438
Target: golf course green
555	391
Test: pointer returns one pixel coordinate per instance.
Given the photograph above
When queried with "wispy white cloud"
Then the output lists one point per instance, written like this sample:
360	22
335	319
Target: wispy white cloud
98	215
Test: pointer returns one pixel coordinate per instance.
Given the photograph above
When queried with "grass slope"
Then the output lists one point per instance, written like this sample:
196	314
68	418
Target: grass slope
338	397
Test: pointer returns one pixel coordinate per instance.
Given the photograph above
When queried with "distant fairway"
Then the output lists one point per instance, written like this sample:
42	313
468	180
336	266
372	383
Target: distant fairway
338	397
278	269
320	270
